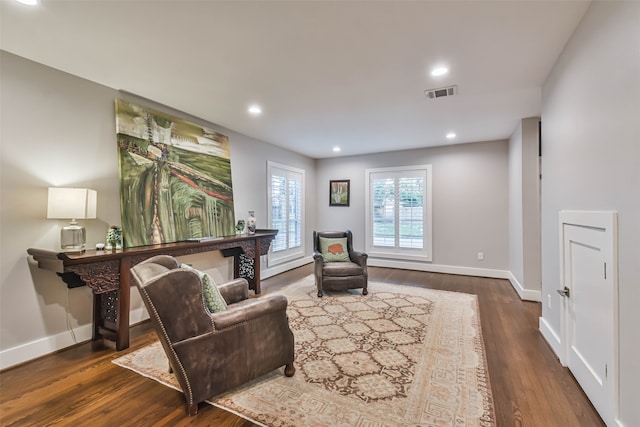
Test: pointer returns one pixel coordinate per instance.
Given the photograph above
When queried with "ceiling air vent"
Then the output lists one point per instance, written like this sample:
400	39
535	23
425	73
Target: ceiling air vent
441	92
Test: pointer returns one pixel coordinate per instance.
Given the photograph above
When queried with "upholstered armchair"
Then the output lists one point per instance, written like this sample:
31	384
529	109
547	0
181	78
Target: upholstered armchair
211	353
336	265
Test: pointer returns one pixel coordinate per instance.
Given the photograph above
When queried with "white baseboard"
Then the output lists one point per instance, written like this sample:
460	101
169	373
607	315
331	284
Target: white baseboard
410	265
34	349
286	266
525	294
438	268
555	342
552	338
37	348
138	315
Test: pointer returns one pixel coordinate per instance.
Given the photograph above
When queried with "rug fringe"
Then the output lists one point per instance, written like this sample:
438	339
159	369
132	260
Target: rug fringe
237	413
155	378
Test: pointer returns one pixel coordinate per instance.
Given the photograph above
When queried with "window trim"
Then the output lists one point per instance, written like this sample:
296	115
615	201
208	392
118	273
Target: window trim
424	254
289	254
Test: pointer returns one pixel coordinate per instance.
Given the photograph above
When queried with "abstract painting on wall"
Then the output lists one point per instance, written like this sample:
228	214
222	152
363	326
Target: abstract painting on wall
175	178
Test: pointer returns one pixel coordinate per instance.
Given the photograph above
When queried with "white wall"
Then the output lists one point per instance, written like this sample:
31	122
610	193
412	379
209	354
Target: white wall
53	133
531	208
516	256
469	202
59	130
524	210
590	161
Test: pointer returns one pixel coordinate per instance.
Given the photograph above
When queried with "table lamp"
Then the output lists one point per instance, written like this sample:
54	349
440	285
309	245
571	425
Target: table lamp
73	204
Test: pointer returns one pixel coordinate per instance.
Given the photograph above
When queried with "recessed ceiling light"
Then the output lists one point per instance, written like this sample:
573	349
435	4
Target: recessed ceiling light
255	110
439	71
28	2
336	149
451	135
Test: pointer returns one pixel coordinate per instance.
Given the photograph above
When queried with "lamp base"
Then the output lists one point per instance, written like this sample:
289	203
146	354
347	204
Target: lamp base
73	238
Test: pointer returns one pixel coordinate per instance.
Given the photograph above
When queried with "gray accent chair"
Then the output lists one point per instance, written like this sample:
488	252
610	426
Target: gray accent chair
339	276
213	353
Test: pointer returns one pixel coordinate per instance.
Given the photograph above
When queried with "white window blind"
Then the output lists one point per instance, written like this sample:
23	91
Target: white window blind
286	212
399	212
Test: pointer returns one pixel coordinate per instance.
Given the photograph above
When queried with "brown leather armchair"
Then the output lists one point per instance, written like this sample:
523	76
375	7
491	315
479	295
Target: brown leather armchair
212	353
339	275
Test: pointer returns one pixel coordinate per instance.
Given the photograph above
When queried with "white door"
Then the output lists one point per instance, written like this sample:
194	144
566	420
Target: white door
590	309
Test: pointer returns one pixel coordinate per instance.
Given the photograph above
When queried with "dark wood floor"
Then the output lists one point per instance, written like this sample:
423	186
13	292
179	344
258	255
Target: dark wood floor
80	385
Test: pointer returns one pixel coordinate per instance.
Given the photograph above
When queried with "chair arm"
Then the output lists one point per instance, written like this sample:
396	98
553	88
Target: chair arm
359	258
248	309
317	256
318	264
234	291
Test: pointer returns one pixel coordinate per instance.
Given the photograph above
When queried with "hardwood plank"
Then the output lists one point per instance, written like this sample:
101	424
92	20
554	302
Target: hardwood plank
80	385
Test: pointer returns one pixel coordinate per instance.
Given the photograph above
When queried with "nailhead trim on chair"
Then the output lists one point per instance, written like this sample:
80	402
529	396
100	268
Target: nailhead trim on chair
164	332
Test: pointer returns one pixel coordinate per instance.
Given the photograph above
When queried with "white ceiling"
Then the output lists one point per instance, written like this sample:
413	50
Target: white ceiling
346	73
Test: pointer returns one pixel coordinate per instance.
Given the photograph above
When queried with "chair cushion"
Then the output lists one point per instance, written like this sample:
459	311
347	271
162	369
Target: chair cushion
212	297
334	250
341	269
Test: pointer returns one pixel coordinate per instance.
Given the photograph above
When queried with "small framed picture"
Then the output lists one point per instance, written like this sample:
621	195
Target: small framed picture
339	192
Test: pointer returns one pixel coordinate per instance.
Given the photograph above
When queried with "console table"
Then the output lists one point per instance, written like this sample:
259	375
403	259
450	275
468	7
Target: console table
107	273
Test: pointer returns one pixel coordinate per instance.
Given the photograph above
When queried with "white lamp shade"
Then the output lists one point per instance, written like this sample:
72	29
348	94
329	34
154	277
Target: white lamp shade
72	203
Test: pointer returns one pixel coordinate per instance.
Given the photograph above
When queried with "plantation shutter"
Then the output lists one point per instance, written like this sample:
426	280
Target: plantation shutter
286	210
398	212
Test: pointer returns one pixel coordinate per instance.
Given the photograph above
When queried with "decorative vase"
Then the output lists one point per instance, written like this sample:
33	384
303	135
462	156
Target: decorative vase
240	226
114	238
251	223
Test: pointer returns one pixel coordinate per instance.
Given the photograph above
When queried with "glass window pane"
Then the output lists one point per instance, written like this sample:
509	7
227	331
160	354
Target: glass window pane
384	223
278	212
295	209
411	213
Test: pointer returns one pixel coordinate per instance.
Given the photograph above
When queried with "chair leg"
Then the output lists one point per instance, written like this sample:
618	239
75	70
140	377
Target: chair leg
192	409
289	369
365	291
319	294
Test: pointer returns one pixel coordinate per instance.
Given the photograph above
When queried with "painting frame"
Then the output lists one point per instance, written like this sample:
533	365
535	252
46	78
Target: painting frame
339	192
175	177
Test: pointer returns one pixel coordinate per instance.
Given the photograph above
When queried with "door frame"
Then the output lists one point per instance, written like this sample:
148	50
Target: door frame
606	221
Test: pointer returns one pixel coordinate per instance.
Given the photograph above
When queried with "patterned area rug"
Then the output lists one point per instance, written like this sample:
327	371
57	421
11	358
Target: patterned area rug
400	356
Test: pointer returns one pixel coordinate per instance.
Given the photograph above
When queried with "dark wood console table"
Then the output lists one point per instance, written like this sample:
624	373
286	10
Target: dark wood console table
107	273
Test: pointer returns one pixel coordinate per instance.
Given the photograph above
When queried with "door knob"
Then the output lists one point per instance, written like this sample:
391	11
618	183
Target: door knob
564	292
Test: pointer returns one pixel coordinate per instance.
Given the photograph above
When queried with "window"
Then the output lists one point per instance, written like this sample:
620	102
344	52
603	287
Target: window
285	212
399	212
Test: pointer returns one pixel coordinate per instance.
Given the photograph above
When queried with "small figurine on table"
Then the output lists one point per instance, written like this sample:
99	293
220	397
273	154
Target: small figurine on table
114	238
251	223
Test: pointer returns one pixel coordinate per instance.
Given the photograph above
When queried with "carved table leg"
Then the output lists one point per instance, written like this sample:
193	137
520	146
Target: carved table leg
97	316
256	267
247	270
124	302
